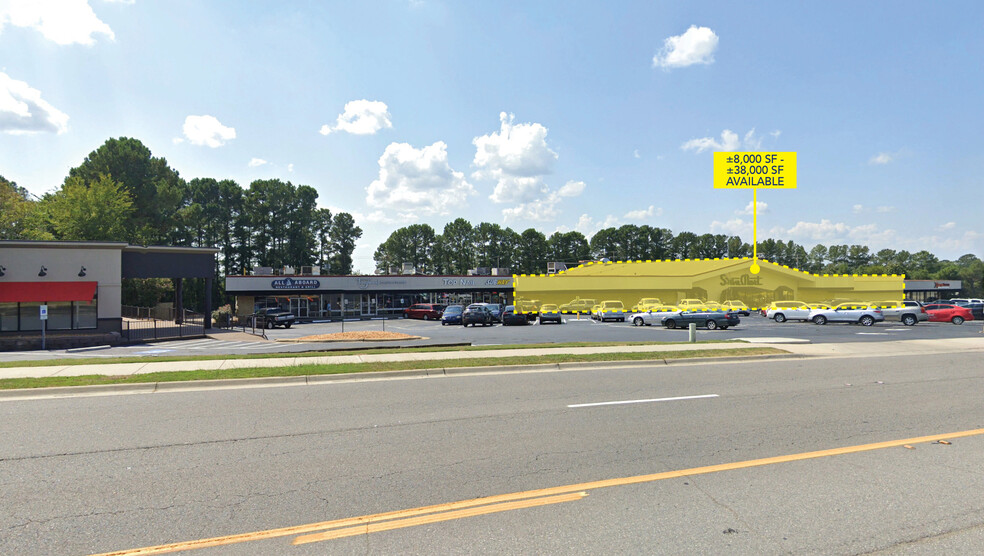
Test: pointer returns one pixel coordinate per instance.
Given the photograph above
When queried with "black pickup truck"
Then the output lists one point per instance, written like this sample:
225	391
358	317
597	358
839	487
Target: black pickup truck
274	316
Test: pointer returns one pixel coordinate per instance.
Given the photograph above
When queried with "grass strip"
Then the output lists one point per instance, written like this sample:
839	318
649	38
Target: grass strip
347	368
322	353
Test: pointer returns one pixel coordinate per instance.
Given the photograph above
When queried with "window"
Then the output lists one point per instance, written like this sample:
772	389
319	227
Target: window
60	315
8	317
85	314
30	316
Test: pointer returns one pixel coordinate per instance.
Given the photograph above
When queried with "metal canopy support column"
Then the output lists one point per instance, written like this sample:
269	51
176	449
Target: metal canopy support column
178	300
208	303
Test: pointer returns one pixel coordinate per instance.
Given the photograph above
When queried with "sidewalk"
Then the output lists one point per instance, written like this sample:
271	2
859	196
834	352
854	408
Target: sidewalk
856	349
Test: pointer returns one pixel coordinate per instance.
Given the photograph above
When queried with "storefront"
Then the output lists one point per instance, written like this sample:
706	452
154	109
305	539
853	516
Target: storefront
932	290
80	283
332	297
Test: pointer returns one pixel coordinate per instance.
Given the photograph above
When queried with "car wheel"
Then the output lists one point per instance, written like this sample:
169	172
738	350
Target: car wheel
711	325
780	317
621	319
637	321
819	319
670	323
867	321
427	317
286	325
957	320
269	324
909	320
724	327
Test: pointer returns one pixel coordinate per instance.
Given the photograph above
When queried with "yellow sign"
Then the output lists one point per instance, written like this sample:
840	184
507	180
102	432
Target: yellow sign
733	170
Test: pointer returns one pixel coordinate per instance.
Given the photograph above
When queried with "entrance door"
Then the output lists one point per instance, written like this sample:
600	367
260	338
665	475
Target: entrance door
367	304
299	306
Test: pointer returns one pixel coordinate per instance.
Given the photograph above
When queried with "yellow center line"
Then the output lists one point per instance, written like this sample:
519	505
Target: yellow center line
435	518
364	521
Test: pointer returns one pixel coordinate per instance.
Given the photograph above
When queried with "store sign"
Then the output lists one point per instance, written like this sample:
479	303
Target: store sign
44	312
295	284
743	280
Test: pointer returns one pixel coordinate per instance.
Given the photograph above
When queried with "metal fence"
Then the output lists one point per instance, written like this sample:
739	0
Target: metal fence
138	325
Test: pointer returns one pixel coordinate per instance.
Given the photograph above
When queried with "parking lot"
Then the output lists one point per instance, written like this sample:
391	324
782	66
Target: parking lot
573	329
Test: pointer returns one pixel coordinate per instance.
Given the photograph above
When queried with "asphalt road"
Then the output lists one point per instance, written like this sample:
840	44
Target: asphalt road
573	330
85	475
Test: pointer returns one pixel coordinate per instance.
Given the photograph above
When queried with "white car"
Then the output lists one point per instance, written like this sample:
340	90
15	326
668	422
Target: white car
852	312
611	309
781	311
907	312
654	316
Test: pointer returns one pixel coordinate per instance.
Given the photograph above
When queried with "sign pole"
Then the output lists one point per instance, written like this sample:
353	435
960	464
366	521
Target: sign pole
43	315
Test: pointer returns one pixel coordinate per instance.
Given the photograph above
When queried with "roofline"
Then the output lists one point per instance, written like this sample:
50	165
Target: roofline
122	245
168	249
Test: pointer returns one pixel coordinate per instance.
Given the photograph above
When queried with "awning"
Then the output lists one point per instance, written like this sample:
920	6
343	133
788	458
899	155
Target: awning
26	292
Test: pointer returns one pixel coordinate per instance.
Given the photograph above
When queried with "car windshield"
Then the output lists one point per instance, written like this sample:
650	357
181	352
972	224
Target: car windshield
453	310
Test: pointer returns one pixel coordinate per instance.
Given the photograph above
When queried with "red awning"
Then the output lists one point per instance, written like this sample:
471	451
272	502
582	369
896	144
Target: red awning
26	292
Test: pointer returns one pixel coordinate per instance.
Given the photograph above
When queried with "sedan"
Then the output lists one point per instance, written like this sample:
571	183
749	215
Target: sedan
550	313
851	312
496	310
654	316
939	312
510	316
452	315
477	314
709	319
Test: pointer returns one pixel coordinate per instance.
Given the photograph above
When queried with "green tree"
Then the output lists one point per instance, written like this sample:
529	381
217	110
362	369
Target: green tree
531	252
411	244
457	253
344	235
95	211
568	247
20	217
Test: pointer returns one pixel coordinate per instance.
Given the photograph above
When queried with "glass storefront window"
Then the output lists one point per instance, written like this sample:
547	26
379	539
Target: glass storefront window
60	315
30	316
8	317
85	314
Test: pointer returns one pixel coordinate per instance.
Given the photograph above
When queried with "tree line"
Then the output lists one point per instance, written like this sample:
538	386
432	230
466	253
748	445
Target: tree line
121	192
462	246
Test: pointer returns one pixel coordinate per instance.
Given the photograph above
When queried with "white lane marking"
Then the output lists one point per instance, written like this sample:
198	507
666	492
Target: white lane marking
872	333
897	329
645	401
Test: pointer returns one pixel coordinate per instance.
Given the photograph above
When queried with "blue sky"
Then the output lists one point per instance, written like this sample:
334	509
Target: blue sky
553	115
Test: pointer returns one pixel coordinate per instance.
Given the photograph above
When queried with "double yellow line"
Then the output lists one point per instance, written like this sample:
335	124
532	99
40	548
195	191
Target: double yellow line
327	530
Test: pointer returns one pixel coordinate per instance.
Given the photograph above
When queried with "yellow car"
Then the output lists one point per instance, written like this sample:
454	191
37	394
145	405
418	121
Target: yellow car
610	309
692	305
714	306
645	304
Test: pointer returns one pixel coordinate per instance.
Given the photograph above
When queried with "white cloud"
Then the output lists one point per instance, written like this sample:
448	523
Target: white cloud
733	227
827	231
417	181
644	214
22	110
884	209
762	208
947	226
129	2
518	150
881	158
63	22
695	46
635	153
290	167
858	209
775	133
544	208
207	131
361	117
729	142
254	162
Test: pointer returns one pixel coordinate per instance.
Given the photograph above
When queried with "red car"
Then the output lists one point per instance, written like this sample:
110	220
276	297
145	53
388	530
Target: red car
944	312
425	311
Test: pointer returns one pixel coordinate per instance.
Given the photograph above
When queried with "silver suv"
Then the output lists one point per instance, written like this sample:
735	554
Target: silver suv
907	312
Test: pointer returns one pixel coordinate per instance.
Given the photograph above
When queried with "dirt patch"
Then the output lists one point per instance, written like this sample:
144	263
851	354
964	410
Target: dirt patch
364	336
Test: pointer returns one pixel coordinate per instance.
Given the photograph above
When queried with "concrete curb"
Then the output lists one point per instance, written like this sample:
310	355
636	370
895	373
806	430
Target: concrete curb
305	380
330	341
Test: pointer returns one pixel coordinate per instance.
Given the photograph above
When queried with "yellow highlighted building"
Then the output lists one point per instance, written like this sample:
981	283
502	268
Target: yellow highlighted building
716	280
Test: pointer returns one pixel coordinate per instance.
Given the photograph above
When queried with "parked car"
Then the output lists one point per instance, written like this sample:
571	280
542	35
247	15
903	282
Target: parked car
940	312
781	311
737	306
819	306
425	311
274	316
550	313
851	312
654	315
708	319
714	306
610	309
496	310
976	309
510	316
645	304
578	306
907	312
477	313
965	300
691	304
452	315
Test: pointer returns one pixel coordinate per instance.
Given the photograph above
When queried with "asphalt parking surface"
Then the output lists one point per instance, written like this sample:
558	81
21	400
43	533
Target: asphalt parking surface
572	330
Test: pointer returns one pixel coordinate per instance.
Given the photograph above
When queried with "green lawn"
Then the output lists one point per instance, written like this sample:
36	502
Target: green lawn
382	349
302	370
